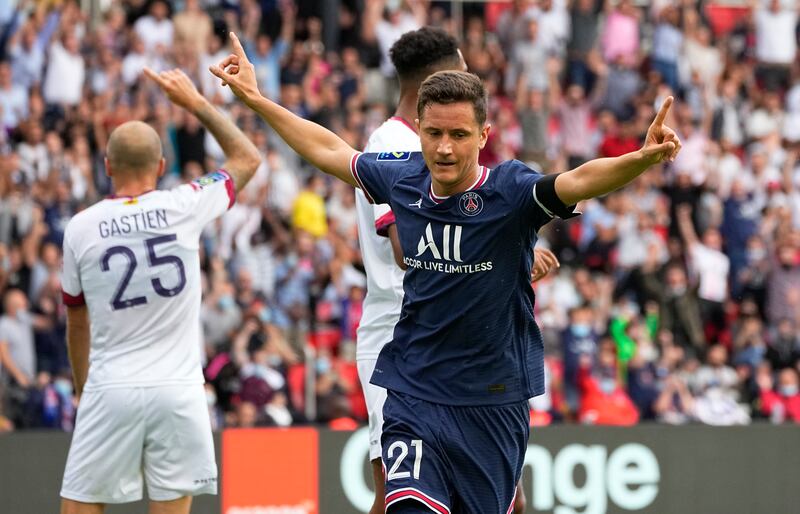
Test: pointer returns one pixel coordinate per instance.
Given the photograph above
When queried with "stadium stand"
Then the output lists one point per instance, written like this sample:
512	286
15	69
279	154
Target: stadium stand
678	299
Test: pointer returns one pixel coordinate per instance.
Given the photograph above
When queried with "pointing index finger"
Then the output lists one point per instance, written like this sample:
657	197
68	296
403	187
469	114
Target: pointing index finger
662	113
237	47
153	76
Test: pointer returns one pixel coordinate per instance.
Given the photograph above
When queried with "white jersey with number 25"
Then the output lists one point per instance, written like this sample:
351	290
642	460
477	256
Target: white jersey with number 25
134	261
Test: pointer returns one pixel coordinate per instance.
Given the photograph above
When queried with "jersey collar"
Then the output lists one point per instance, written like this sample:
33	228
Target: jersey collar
128	197
404	122
483	176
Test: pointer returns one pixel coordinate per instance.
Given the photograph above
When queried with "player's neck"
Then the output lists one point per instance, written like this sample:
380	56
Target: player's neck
465	184
407	110
133	187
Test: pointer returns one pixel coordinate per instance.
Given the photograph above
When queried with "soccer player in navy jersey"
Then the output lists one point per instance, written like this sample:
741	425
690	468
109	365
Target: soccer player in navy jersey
416	55
466	353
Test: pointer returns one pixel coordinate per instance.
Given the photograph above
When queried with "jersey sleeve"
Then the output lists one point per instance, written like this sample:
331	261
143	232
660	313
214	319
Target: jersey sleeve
537	198
71	289
384	218
207	197
376	173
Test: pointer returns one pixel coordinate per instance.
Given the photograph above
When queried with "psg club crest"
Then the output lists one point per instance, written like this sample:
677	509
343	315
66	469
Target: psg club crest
471	204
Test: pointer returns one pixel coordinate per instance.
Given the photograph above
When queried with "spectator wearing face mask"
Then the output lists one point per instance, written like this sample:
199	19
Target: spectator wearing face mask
679	312
783	350
18	358
579	342
642	373
220	314
603	399
783	299
751	281
782	402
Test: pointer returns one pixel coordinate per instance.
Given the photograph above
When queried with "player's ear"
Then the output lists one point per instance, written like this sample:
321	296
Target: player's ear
484	135
416	124
162	167
108	167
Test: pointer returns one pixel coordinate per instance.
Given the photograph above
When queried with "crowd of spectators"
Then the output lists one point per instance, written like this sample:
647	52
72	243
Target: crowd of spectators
678	298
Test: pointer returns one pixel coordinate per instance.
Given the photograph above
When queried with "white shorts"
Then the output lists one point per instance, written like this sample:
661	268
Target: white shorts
122	435
375	397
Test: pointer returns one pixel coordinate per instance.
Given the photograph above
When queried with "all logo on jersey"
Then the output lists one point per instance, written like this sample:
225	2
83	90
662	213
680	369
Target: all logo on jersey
450	248
440	251
470	204
207	180
394	156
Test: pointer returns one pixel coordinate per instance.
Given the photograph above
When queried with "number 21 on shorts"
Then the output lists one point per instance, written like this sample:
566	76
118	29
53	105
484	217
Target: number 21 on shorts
401	449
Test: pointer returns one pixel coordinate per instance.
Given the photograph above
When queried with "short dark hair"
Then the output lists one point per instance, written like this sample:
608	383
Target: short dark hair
447	87
419	53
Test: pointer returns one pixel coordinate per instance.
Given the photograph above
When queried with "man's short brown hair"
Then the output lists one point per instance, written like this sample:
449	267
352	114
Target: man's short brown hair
447	87
133	147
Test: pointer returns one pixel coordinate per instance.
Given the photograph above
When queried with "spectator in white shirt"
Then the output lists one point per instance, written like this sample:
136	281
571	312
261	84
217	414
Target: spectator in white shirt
66	70
708	264
27	57
13	99
134	62
528	63
155	30
776	42
34	162
390	28
209	85
716	385
554	25
701	57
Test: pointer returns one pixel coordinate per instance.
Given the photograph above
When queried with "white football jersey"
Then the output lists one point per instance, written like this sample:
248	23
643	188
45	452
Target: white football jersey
135	263
384	278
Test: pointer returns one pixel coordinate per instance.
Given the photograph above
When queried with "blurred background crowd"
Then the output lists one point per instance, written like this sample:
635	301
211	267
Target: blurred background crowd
678	298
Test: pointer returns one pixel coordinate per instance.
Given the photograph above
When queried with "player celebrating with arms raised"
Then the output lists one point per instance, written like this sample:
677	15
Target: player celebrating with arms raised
132	277
466	354
416	55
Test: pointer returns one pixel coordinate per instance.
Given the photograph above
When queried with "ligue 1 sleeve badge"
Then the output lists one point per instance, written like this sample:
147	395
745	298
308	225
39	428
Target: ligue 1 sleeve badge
470	203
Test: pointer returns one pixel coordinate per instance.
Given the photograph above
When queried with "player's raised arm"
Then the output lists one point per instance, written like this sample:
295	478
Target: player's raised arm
242	157
318	145
600	176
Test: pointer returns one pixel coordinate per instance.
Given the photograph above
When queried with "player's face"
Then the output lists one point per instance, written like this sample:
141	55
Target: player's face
451	139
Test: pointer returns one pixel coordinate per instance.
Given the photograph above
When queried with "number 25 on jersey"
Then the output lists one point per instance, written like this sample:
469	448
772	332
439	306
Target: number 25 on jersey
118	302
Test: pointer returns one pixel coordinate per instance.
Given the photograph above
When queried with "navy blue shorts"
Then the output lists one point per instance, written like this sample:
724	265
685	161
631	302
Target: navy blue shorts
464	460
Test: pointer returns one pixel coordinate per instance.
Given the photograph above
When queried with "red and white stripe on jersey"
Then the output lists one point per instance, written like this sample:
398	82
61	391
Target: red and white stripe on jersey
382	224
354	172
511	507
483	176
72	301
409	493
229	187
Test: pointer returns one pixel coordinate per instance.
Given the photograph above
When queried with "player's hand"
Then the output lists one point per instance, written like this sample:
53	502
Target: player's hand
178	87
520	502
544	261
661	142
237	72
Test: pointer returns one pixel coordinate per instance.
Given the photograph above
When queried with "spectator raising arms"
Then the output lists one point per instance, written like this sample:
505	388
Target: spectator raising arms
587	84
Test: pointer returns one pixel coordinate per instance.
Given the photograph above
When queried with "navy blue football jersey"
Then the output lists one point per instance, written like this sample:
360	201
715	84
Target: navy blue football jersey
466	334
